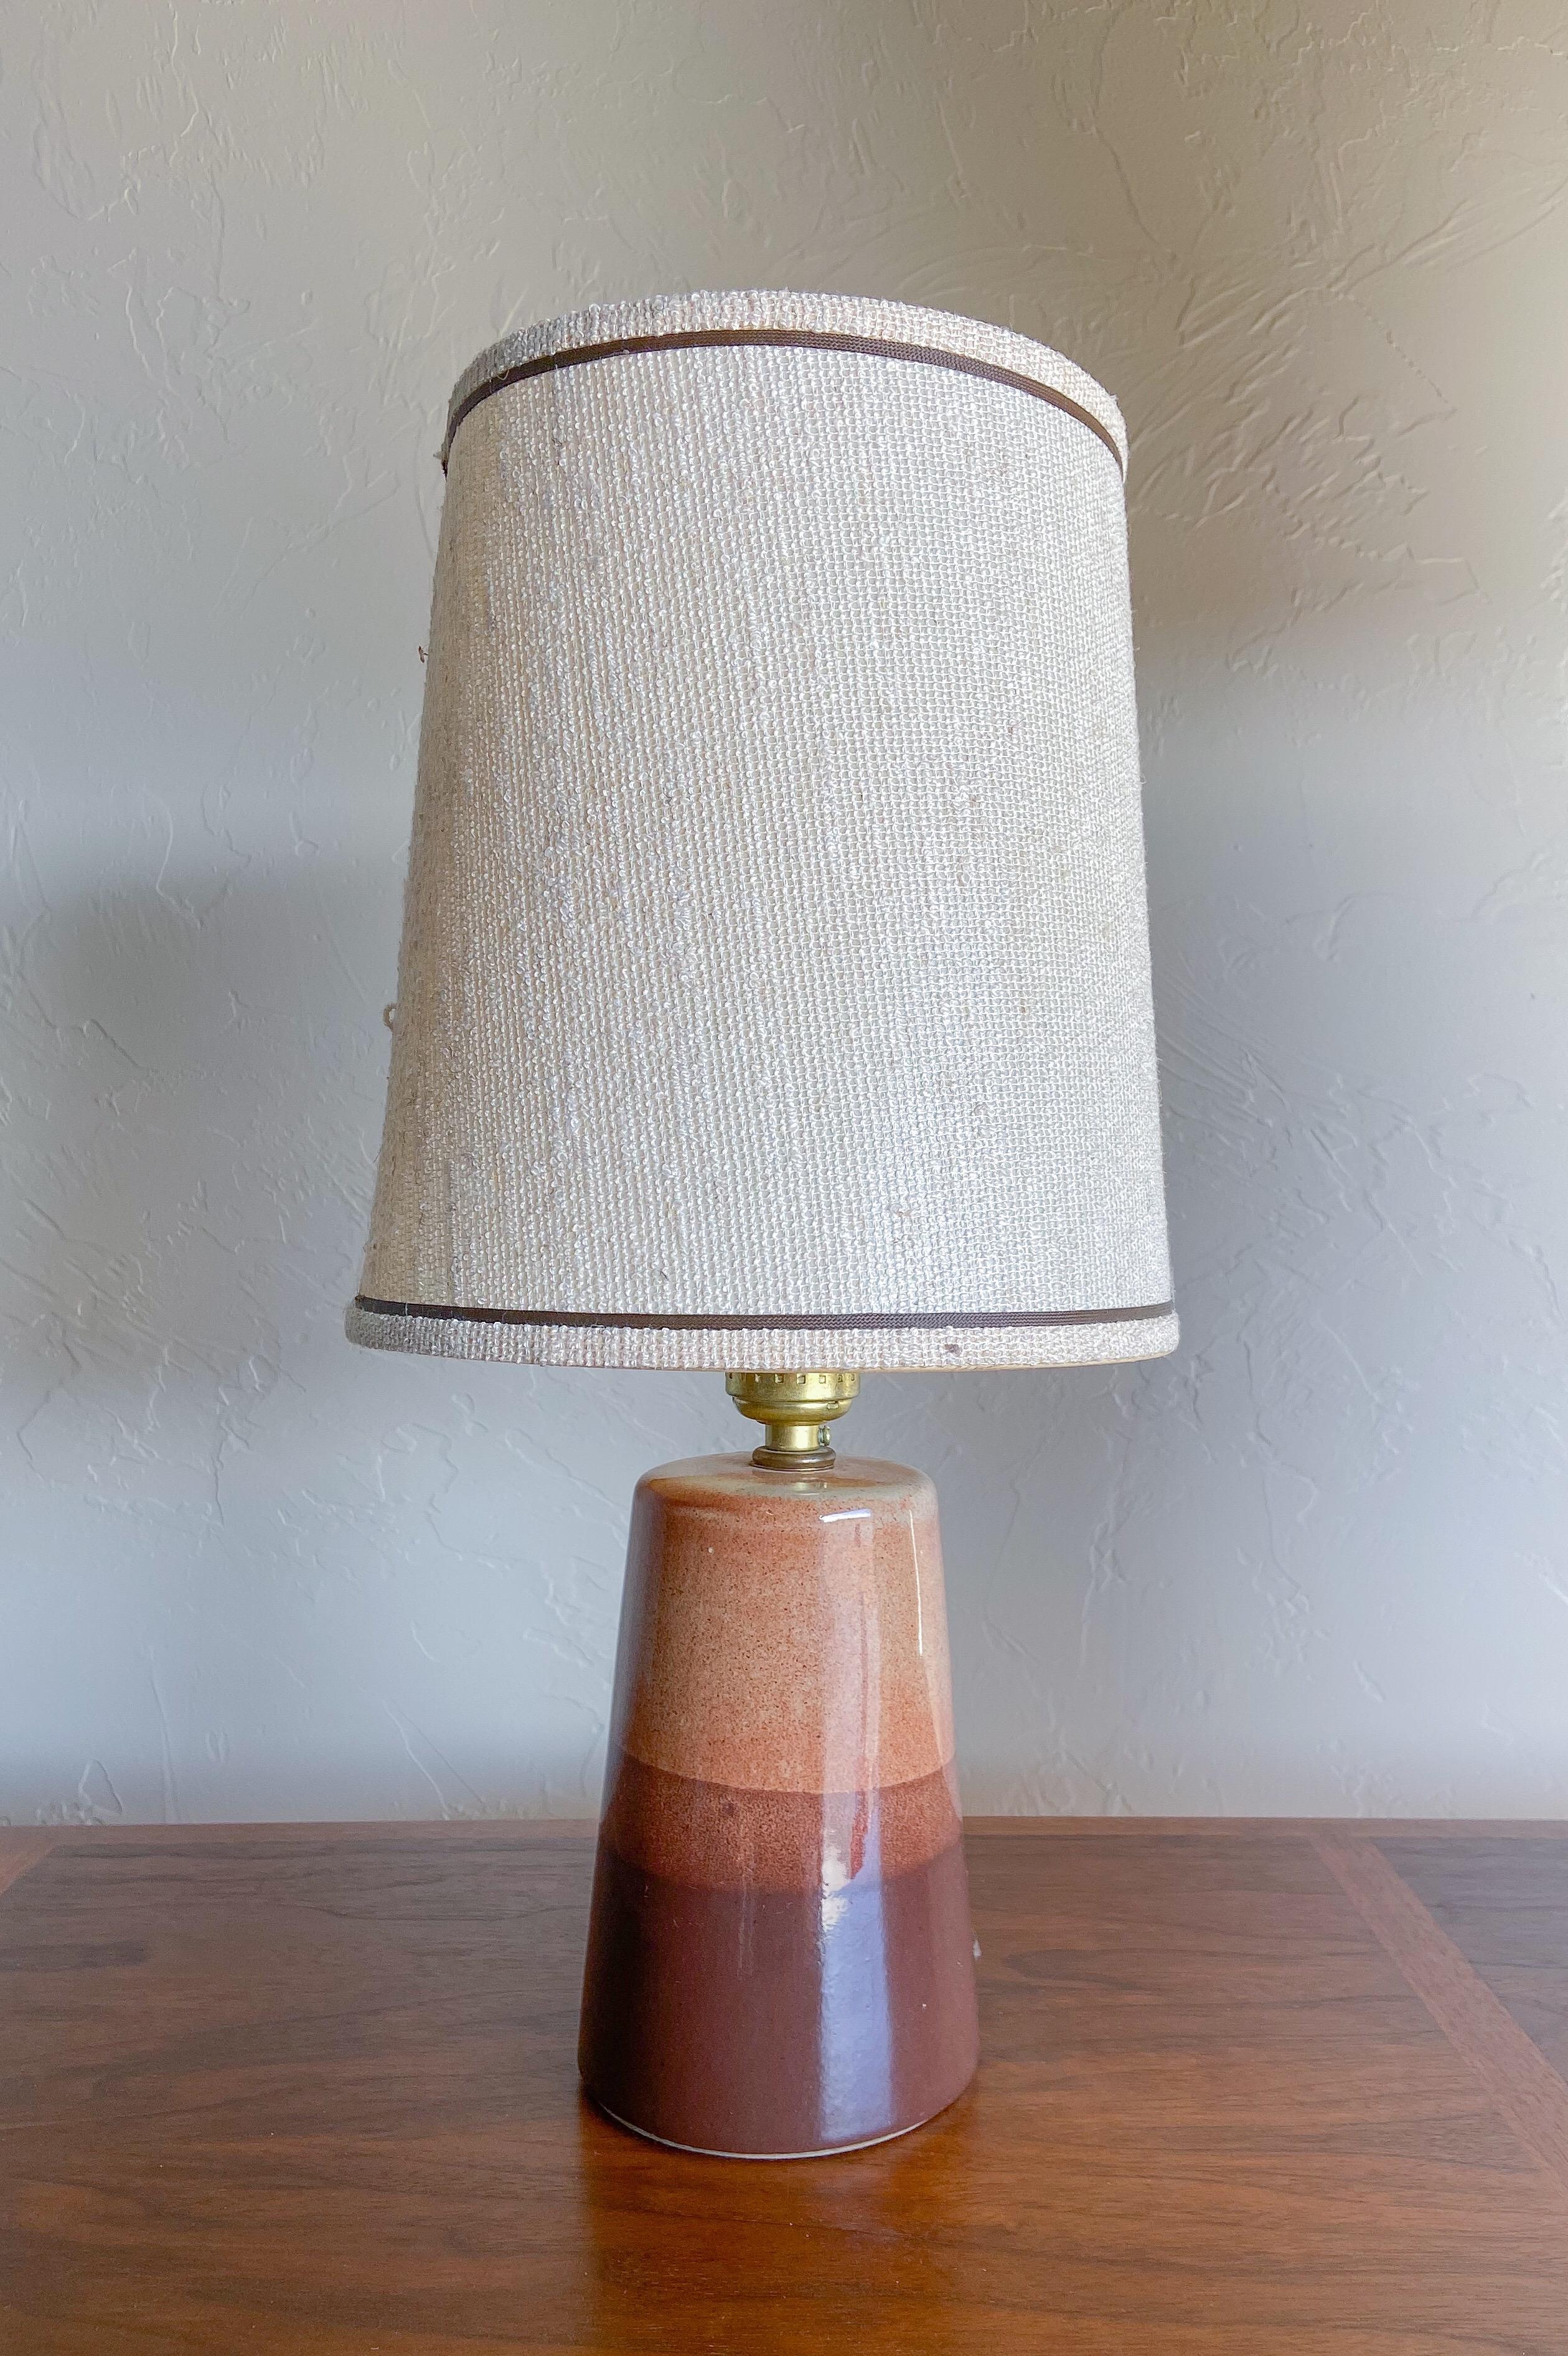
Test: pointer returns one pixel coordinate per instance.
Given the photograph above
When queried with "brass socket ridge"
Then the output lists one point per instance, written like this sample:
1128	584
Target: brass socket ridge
796	1410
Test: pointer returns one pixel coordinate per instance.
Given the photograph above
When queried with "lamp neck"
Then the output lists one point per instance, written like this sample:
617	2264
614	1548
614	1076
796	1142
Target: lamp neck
795	1410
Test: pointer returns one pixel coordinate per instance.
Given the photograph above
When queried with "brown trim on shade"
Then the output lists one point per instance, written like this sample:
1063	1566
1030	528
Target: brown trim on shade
921	1320
811	339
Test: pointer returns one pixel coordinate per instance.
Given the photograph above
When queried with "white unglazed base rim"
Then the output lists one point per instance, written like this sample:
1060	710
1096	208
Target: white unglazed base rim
821	2151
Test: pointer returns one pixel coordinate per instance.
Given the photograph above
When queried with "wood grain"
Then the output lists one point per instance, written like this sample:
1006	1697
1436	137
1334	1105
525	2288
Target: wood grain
313	2089
20	1849
1505	1911
1527	2090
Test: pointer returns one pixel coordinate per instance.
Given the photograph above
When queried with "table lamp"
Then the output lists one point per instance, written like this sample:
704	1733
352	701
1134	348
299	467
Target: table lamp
775	999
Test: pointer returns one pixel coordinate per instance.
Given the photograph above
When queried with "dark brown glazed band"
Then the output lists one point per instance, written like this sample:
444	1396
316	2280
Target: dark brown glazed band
811	339
765	2024
920	1319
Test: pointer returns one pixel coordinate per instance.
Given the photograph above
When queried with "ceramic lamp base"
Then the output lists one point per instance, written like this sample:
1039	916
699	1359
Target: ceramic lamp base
780	1959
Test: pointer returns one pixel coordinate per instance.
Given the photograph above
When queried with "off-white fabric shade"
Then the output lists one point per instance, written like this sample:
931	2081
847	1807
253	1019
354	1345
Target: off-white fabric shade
774	982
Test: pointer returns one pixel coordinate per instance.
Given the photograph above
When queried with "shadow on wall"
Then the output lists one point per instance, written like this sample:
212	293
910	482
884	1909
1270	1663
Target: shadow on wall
300	1579
192	1107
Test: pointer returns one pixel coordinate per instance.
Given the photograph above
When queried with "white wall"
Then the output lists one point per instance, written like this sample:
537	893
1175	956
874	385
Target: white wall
1316	1562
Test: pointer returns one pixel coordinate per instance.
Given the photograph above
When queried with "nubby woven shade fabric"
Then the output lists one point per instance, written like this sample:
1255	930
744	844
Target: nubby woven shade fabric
774	981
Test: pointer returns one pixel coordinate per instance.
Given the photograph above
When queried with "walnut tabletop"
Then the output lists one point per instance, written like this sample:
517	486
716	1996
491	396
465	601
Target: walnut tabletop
1259	2088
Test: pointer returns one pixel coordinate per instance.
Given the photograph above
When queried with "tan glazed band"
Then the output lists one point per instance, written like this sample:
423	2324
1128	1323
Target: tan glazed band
799	339
931	1320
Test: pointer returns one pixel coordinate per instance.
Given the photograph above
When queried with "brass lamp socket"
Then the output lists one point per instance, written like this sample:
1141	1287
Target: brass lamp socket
796	1410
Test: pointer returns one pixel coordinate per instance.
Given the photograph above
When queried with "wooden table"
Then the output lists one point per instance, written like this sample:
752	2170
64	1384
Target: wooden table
1261	2088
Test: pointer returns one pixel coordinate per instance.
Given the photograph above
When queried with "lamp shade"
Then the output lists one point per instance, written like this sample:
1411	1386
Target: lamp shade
774	981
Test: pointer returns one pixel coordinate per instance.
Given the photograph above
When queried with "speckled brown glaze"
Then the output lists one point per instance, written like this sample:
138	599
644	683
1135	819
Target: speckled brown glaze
780	1959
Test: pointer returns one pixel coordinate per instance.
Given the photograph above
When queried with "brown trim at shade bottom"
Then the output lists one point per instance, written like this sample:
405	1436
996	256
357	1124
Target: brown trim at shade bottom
811	339
921	1321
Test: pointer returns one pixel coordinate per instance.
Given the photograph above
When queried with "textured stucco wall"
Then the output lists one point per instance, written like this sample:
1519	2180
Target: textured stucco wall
1318	1561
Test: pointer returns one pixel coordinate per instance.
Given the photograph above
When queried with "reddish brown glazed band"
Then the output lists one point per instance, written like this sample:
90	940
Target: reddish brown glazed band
798	339
923	1320
727	1835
